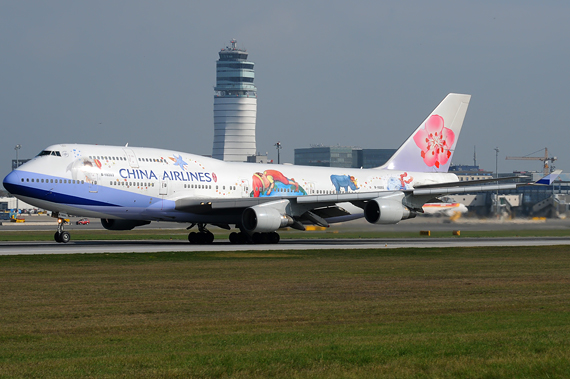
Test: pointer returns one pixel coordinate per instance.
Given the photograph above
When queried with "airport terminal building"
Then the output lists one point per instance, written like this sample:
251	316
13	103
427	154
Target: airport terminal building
342	156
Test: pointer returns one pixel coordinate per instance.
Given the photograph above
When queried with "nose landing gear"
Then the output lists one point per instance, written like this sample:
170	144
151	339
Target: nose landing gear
61	236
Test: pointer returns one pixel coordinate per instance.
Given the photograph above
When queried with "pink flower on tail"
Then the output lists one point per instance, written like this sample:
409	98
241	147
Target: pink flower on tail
435	140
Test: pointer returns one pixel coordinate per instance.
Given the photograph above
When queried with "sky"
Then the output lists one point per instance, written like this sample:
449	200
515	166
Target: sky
327	72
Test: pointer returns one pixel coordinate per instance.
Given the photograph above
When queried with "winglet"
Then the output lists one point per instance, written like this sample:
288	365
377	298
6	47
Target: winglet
549	179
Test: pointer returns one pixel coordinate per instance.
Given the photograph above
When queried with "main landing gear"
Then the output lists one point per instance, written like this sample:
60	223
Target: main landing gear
61	236
203	237
257	238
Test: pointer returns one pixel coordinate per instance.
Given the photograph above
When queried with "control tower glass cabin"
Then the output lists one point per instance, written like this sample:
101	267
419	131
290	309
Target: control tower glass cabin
235	106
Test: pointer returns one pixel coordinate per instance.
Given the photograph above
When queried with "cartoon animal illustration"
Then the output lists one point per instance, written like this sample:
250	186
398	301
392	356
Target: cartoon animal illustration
344	181
400	183
271	182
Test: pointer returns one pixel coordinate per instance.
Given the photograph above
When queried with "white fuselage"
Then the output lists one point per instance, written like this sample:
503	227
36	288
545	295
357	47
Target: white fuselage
144	183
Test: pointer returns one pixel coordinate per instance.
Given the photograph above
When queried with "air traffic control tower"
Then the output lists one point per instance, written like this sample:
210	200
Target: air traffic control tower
235	106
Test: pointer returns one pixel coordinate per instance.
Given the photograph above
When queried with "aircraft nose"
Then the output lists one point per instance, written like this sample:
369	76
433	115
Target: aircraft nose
12	181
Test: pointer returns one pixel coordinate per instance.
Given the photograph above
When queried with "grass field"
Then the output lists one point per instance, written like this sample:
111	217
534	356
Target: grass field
182	234
419	313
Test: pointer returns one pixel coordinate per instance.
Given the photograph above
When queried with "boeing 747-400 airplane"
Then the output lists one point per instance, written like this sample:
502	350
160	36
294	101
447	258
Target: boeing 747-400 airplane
128	186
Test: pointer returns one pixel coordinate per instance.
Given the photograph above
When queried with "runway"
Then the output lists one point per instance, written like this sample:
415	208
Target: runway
414	225
93	247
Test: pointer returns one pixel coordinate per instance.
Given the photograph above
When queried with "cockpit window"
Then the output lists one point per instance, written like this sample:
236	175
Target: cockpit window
49	152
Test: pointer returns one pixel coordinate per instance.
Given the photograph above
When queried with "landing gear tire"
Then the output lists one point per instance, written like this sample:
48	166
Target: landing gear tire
265	238
201	238
208	237
259	238
274	237
61	236
65	237
240	238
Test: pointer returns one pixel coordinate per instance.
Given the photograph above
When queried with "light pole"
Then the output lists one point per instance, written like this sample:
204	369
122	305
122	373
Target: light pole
17	147
278	147
497	176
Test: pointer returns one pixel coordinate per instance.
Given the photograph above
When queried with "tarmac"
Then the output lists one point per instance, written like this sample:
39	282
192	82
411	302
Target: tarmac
418	224
415	224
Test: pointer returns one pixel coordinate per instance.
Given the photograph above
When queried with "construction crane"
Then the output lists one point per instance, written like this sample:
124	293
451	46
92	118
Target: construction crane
544	159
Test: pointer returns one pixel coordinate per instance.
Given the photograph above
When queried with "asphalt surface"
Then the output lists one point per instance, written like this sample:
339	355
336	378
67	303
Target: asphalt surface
418	224
91	247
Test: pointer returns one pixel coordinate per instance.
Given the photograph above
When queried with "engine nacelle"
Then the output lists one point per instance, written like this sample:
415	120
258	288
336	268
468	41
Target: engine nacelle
264	219
113	224
386	211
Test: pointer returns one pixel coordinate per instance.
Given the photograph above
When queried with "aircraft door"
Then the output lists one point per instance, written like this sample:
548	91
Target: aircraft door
163	189
94	183
133	161
310	188
244	185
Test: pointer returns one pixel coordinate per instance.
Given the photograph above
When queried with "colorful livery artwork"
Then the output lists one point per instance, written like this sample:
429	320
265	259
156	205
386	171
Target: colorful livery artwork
274	183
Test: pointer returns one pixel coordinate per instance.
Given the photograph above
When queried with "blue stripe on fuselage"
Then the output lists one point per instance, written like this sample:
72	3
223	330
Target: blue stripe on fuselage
72	194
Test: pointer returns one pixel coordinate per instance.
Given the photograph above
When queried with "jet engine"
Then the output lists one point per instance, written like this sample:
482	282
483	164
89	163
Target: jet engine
386	211
113	224
264	219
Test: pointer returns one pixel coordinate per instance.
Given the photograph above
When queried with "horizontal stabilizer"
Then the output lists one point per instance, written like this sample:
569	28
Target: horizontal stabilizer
550	178
470	183
459	190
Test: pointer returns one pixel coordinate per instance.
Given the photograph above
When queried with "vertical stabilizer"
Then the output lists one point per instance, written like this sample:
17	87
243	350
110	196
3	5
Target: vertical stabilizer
430	148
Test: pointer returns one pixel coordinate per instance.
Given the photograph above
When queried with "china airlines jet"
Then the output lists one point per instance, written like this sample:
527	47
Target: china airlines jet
132	186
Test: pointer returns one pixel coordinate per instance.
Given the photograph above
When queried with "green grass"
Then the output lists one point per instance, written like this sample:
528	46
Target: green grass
182	234
444	313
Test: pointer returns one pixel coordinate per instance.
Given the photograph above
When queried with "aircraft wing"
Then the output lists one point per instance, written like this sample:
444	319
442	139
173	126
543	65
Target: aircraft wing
317	209
205	206
194	205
